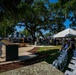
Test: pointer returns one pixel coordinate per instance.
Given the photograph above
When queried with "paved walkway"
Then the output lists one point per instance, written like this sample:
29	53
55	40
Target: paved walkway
22	53
43	46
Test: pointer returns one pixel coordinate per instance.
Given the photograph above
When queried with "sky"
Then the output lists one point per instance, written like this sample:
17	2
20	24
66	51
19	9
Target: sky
53	1
66	23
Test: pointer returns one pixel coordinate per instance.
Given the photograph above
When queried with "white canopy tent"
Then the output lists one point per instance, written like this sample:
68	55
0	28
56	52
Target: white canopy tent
65	33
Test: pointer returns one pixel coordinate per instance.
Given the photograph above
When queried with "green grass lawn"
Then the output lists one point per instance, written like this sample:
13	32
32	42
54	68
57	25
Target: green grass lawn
49	53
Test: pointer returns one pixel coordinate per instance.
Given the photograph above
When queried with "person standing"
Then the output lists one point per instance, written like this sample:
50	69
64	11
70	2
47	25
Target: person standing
71	47
64	46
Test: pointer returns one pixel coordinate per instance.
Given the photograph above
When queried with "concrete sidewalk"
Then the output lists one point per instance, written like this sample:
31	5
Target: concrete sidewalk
42	46
22	53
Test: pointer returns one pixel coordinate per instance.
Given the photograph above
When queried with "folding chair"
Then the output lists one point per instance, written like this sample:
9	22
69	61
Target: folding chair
72	66
74	58
55	63
67	72
60	62
73	61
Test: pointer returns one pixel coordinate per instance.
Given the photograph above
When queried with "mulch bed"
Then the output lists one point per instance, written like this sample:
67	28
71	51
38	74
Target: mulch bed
33	50
16	65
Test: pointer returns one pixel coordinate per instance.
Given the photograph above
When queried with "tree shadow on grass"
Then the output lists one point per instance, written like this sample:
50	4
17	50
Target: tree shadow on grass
49	56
